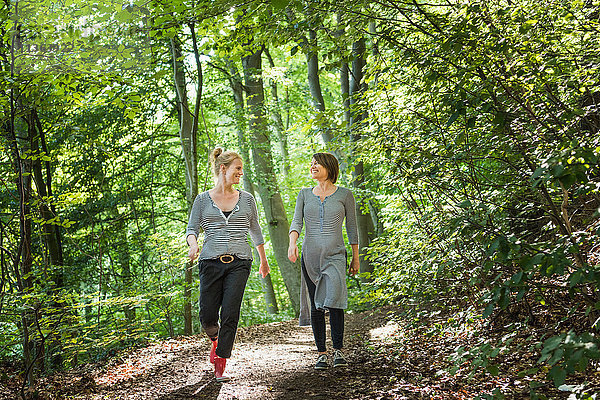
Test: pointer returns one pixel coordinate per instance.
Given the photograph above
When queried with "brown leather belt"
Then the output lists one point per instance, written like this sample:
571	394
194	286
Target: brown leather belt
226	258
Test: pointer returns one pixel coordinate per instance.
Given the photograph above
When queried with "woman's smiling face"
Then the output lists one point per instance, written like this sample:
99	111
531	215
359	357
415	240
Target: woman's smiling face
234	172
317	171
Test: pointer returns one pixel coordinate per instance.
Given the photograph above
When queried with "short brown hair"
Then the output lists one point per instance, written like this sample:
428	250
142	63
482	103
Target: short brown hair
330	163
219	157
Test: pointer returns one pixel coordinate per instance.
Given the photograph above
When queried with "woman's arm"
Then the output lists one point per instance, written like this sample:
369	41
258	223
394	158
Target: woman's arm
355	263
352	232
351	220
254	227
293	247
263	269
194	249
296	227
193	228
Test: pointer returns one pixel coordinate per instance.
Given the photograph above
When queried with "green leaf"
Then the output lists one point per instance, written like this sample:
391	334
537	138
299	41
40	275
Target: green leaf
488	310
493	370
123	16
280	4
516	278
537	173
567	180
553	342
521	294
557	170
558	354
454	117
465	204
575	278
558	375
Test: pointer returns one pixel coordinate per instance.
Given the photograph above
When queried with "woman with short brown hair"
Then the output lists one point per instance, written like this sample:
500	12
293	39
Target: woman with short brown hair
322	209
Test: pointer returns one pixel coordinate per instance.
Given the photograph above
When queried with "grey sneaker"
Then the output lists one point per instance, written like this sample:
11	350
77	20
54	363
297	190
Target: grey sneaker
321	362
339	360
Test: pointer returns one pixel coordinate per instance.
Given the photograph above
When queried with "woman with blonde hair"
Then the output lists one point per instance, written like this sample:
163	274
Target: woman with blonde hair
226	215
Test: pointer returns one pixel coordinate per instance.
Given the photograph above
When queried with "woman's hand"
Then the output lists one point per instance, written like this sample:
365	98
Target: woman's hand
264	269
293	252
193	251
293	247
354	266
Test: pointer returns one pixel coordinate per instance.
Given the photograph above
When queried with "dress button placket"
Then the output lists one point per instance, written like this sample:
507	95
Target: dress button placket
322	214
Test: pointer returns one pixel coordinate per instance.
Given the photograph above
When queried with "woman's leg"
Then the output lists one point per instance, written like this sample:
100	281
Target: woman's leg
234	282
336	322
211	296
317	317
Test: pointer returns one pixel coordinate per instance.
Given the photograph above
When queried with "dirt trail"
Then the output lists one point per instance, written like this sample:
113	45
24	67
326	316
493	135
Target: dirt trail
389	359
273	361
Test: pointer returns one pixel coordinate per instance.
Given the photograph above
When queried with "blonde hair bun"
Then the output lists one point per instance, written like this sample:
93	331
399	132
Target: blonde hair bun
215	154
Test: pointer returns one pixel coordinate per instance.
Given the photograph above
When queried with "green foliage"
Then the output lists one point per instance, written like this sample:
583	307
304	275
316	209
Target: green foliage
480	147
482	355
480	116
567	353
400	258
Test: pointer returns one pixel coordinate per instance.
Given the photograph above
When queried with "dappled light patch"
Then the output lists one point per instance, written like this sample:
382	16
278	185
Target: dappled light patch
389	331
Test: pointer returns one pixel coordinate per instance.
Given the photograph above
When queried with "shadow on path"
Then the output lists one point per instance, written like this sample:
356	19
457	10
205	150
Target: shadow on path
206	389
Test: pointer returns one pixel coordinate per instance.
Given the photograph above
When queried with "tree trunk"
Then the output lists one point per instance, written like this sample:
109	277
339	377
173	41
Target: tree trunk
124	258
23	260
235	82
23	267
187	135
50	234
265	177
374	207
345	89
314	84
52	237
344	77
365	223
278	121
30	345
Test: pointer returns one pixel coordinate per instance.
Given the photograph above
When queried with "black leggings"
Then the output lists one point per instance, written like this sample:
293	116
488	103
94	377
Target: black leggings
317	319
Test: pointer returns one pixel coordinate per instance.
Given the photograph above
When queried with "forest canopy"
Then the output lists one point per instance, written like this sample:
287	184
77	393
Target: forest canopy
467	130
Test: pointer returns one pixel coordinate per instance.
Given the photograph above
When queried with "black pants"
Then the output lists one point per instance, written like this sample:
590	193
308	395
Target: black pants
222	289
317	319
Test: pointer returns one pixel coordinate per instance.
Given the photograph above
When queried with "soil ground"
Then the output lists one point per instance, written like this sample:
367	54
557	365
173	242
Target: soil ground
272	361
276	361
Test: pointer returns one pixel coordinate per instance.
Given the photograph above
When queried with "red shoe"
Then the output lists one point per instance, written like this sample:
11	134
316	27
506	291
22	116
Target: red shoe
213	350
220	369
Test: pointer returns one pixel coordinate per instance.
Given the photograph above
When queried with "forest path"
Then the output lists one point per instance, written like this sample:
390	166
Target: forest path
275	361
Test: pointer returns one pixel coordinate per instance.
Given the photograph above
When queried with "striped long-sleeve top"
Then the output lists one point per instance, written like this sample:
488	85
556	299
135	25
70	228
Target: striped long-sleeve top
323	248
225	234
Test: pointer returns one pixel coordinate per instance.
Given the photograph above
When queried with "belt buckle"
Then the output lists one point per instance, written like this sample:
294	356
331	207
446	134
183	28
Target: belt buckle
226	258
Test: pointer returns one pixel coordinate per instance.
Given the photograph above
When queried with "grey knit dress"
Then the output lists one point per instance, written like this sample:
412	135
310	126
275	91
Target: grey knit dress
323	248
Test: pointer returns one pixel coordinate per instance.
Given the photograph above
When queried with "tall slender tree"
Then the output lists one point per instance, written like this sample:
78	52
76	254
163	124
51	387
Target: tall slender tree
357	116
268	187
275	111
188	136
235	82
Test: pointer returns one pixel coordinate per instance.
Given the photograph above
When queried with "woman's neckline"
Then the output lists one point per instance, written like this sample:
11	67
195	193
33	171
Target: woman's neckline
215	204
325	197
